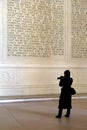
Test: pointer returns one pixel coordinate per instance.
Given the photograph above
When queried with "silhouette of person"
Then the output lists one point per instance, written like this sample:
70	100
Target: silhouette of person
66	94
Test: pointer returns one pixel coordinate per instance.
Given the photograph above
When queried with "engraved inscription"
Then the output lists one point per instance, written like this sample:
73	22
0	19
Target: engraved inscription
35	28
7	77
79	28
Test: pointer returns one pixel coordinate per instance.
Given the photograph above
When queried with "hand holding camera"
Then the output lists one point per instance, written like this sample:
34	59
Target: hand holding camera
61	77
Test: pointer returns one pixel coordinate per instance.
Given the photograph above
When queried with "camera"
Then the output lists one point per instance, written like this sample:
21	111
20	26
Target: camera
61	77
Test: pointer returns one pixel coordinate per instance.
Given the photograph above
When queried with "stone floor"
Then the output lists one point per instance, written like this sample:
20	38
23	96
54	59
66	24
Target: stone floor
40	115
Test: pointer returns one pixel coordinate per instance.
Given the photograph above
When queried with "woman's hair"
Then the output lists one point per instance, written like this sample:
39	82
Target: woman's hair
67	73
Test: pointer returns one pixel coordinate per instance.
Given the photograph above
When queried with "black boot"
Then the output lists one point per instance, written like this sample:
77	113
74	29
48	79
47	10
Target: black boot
67	113
59	113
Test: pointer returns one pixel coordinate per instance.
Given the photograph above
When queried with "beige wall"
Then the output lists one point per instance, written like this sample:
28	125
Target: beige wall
24	80
24	75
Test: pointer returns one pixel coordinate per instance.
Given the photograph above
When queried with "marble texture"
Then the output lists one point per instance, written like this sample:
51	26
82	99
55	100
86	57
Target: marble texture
40	115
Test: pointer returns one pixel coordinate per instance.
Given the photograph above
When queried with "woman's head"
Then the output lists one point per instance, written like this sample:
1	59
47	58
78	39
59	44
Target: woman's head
67	73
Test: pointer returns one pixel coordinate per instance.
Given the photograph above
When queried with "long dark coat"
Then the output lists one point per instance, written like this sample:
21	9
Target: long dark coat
65	96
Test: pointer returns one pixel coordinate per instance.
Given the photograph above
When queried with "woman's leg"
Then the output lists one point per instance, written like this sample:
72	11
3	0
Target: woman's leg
68	113
59	113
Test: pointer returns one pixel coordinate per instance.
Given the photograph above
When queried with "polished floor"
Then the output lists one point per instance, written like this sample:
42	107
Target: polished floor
40	115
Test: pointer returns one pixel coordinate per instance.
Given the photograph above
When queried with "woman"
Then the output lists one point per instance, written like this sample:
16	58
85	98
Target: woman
65	96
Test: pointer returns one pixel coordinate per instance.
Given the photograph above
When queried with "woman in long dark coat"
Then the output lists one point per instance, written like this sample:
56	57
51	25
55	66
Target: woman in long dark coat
65	96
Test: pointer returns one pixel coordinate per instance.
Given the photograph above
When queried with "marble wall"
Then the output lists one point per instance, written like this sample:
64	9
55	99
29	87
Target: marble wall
39	39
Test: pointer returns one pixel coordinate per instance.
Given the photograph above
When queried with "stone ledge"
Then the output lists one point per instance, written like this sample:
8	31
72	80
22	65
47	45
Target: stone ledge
37	96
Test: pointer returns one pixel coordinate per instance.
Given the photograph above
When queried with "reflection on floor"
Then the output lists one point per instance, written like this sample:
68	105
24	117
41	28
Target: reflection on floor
40	115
